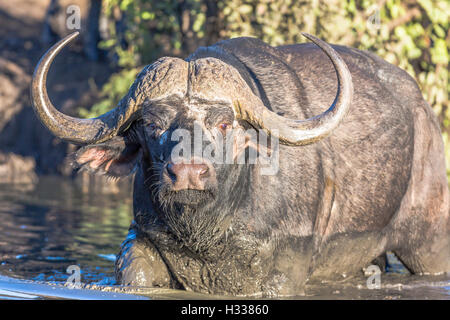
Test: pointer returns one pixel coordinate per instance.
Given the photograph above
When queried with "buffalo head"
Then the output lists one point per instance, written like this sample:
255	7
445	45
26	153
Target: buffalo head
171	96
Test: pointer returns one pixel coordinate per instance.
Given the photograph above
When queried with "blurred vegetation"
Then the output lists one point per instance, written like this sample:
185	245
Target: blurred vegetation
413	35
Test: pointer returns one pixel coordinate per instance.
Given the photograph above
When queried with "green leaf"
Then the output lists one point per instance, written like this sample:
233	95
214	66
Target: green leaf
147	15
439	53
245	9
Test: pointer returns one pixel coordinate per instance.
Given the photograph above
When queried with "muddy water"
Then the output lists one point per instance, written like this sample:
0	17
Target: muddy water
47	228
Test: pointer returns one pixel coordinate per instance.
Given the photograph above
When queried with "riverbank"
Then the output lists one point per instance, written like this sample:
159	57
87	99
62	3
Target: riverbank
27	150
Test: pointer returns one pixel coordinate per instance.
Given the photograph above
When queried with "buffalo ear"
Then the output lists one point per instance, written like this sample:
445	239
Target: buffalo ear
115	157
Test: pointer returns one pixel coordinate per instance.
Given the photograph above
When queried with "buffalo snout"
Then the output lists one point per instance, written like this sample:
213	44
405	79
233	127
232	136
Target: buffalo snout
195	174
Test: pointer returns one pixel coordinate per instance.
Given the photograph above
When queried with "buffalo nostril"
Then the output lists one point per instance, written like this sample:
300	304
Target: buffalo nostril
203	171
188	175
171	172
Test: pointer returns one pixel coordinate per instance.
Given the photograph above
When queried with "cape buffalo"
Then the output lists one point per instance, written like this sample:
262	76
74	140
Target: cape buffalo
362	177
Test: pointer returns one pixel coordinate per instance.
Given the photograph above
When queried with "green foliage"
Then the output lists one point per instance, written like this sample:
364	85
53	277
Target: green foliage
111	93
153	28
413	35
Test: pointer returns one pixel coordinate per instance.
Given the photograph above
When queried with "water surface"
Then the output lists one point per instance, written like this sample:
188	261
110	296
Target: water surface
46	228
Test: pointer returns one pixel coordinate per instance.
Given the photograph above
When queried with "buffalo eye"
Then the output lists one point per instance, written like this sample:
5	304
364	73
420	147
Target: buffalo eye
153	128
224	126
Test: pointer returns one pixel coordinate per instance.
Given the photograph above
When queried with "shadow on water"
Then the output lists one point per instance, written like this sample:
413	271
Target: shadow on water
46	228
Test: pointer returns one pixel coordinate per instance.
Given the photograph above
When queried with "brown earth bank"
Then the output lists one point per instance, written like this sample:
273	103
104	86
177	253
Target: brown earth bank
27	149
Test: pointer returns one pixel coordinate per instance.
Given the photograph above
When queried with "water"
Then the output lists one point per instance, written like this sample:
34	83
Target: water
46	228
52	226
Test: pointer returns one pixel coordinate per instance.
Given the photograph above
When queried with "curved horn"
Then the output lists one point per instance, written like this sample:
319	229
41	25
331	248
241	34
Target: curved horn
302	132
70	129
